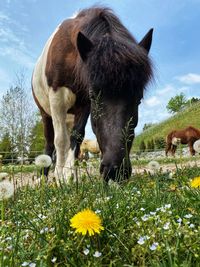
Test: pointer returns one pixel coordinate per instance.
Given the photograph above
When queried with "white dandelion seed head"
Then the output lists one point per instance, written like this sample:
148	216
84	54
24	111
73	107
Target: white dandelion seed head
196	146
97	254
3	175
154	165
6	189
43	161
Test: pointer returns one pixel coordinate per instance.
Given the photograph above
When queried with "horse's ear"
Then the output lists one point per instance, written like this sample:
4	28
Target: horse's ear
146	41
84	45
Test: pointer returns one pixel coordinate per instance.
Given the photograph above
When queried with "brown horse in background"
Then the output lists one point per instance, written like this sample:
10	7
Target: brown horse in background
186	136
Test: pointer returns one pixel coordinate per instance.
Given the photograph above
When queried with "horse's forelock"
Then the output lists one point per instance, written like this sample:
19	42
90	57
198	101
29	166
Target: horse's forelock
115	64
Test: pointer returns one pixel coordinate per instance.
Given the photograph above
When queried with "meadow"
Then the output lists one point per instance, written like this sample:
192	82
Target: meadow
177	121
150	220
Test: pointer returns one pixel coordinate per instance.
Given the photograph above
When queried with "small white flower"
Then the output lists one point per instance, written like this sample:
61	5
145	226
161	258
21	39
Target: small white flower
154	165
188	216
97	211
113	184
43	161
97	254
171	175
54	259
8	238
166	226
141	240
179	220
32	264
25	263
152	213
86	251
145	217
191	225
6	189
3	175
153	246
196	146
167	206
142	209
44	230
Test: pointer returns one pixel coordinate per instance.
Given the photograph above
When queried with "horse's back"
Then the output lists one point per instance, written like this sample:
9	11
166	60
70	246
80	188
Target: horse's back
49	71
39	81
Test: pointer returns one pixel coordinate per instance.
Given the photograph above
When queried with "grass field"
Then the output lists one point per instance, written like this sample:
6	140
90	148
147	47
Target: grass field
151	220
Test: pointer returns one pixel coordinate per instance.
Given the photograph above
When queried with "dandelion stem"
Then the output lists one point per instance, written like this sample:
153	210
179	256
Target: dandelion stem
2	211
117	239
80	242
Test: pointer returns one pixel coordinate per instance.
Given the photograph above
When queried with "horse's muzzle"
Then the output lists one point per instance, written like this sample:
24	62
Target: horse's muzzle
115	172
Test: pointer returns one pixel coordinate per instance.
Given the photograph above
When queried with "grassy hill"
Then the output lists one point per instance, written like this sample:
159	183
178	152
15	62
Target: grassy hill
188	117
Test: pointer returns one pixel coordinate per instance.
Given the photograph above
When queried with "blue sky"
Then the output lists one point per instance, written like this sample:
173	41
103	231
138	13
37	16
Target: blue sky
25	25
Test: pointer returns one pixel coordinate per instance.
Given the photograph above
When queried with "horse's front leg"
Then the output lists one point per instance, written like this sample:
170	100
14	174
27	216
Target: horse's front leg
60	101
77	135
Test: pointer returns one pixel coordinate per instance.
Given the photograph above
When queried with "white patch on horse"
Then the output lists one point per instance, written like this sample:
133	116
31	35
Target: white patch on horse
39	81
56	104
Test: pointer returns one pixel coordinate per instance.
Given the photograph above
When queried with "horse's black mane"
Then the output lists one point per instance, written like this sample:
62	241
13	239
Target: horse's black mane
117	64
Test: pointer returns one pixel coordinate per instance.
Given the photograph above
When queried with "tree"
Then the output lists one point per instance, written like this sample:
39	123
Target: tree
159	142
6	149
17	117
177	103
147	126
142	146
192	101
150	145
37	140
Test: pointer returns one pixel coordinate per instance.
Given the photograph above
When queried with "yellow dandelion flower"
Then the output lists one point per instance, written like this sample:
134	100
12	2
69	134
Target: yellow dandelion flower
86	221
195	182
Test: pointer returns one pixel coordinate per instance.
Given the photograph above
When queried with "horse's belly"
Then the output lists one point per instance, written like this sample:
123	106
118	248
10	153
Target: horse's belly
41	92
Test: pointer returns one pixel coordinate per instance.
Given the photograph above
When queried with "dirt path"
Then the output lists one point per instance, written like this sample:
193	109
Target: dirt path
23	179
168	167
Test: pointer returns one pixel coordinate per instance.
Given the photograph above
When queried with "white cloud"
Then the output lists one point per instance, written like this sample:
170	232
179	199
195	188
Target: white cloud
152	101
166	90
190	78
12	44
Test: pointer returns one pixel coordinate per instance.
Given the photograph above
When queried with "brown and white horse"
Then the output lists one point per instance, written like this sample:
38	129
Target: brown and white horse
92	64
185	136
